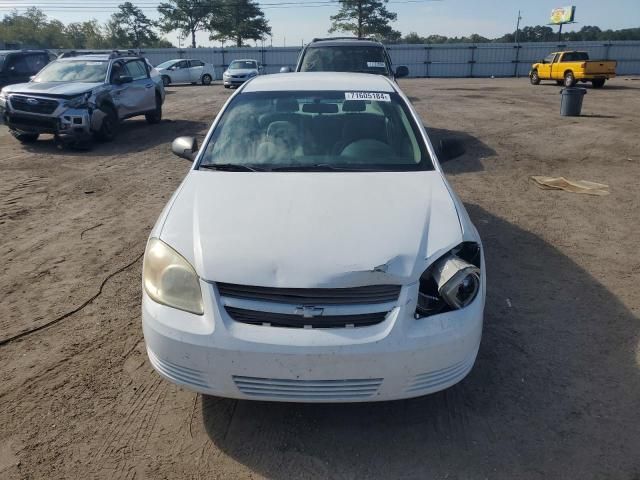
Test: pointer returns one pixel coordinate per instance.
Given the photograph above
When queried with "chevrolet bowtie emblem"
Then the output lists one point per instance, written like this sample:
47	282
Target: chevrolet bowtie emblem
309	312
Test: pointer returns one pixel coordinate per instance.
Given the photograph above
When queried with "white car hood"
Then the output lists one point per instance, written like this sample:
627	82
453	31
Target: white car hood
242	71
305	230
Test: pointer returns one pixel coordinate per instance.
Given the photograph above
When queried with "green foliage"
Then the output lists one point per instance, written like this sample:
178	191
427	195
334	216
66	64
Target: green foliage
187	16
238	20
365	18
538	33
131	28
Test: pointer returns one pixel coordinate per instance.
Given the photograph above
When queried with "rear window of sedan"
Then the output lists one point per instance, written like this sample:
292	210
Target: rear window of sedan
345	58
337	129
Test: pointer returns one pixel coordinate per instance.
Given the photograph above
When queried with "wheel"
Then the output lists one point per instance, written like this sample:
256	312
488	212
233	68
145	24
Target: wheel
156	116
535	78
559	82
206	79
166	81
598	83
569	79
227	86
25	137
109	126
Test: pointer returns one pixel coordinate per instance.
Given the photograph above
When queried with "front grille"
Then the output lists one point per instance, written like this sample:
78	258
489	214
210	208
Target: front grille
43	105
25	122
258	317
308	389
313	296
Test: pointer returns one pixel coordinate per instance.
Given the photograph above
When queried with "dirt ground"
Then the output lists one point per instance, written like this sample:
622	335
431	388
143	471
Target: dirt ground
555	392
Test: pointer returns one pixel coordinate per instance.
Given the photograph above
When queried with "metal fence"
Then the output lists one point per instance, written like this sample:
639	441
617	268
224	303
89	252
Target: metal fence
441	60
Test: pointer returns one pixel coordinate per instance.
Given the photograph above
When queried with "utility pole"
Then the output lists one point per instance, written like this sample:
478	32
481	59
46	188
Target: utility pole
518	45
518	27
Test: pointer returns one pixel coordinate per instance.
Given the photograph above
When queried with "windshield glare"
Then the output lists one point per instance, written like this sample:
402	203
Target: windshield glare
345	59
166	64
242	64
90	71
341	130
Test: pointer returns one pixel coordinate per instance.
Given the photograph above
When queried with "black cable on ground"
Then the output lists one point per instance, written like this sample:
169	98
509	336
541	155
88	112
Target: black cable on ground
75	310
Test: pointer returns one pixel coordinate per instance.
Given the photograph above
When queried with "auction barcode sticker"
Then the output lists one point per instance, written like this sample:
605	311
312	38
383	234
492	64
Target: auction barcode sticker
379	97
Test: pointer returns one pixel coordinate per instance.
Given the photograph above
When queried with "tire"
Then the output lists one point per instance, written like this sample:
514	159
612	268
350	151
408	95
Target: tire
569	79
23	137
206	79
166	81
227	86
535	79
156	116
598	83
109	128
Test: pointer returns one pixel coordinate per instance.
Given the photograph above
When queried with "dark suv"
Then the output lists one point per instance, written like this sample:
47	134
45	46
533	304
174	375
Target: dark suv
347	54
17	66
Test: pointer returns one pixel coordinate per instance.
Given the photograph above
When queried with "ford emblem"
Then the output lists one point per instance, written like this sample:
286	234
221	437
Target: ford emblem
32	101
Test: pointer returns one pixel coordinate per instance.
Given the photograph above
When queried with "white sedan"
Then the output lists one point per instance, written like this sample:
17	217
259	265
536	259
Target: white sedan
186	71
314	252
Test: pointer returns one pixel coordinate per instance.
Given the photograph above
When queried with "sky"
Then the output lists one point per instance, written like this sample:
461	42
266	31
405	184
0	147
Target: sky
296	24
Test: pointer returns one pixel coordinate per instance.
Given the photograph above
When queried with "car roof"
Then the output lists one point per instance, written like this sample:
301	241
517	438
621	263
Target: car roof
320	81
7	52
341	41
98	57
244	60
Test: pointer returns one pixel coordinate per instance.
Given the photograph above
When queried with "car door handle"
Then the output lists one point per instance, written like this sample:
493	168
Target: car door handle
148	85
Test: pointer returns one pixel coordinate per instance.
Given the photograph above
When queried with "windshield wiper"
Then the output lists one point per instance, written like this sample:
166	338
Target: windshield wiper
319	167
232	167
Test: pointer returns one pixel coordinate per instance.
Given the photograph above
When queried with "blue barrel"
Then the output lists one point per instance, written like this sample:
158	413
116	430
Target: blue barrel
571	104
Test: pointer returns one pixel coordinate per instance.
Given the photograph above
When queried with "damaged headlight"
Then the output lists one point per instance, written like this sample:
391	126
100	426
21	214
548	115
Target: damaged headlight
451	282
81	101
169	279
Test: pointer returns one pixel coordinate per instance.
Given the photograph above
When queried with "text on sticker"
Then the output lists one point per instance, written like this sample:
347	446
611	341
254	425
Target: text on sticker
379	97
375	64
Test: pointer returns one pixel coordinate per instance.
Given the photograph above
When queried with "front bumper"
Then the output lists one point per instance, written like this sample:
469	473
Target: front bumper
73	122
399	358
233	82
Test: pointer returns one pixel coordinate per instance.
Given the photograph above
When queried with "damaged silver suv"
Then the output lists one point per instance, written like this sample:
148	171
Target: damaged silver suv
81	96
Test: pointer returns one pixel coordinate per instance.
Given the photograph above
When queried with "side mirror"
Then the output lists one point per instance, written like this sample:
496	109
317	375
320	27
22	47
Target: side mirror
185	147
124	79
450	148
402	71
285	69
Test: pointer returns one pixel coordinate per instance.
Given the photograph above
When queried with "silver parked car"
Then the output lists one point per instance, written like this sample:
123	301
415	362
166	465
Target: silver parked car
240	71
80	96
186	71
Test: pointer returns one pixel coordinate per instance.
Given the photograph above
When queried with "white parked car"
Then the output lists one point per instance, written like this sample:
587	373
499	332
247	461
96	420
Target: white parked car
186	71
314	252
239	71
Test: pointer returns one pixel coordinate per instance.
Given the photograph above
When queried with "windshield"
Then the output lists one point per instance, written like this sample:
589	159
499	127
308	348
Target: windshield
166	64
327	130
240	64
90	71
345	59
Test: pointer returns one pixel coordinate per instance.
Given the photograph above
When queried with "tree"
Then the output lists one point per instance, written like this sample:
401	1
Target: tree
188	16
86	34
131	27
238	20
364	18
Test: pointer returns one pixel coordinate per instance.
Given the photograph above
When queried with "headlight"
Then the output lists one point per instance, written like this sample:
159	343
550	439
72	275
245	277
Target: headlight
80	101
226	74
169	279
450	283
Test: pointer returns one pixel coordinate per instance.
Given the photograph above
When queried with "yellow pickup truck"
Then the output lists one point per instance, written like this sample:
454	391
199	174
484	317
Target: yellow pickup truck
568	68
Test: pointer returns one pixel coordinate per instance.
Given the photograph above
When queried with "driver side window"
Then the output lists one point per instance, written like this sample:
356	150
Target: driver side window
117	71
